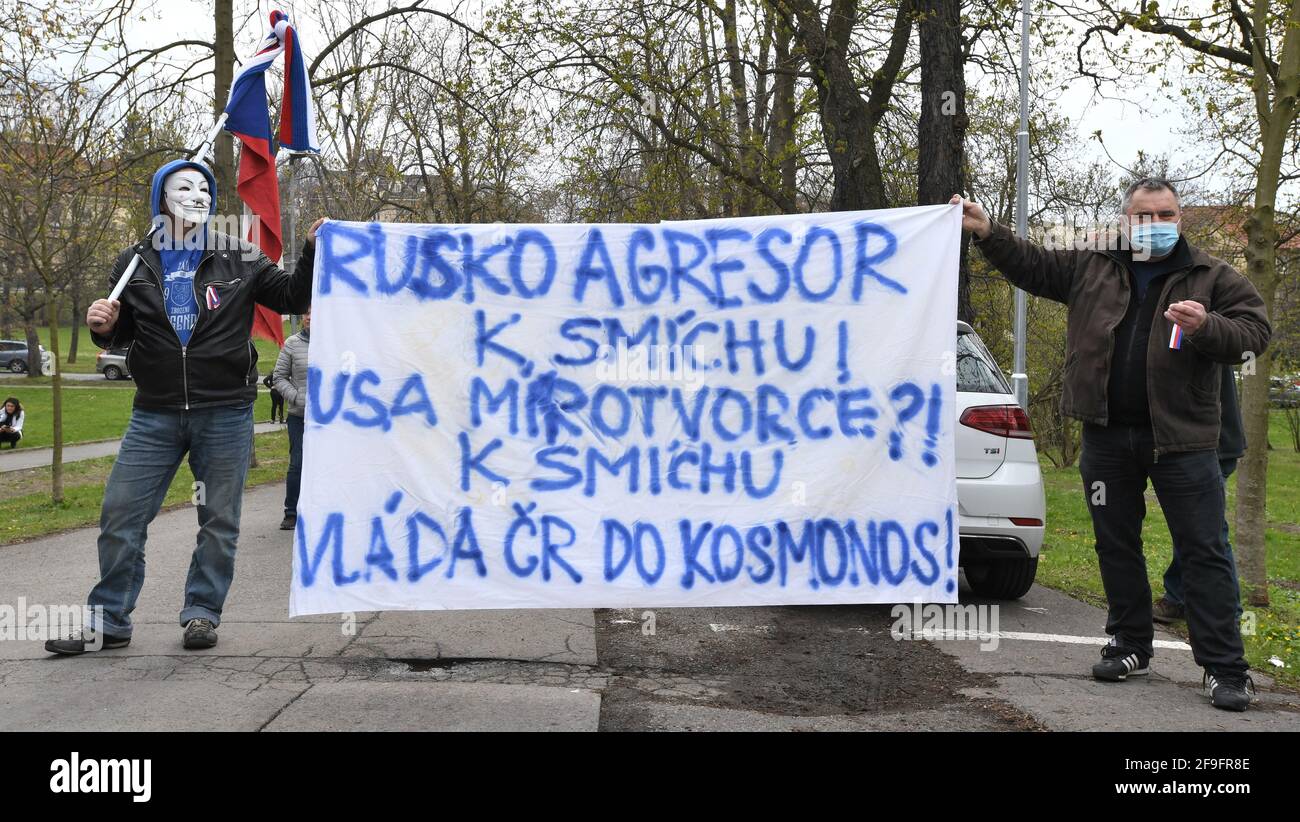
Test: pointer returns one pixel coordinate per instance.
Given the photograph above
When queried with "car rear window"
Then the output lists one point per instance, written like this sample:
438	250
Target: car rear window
976	369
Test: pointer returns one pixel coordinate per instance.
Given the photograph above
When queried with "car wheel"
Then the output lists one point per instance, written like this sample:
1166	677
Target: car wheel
17	366
1004	579
112	372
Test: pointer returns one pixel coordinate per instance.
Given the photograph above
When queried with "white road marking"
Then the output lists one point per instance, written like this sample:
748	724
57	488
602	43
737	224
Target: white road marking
719	628
1036	637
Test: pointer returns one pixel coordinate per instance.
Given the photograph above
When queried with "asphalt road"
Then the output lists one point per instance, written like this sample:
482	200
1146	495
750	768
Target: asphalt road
787	668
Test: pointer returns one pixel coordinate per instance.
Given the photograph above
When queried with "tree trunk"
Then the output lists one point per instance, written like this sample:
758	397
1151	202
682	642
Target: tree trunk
33	347
76	329
720	196
1277	114
56	388
1252	484
1252	478
848	121
223	149
941	133
780	145
4	307
740	104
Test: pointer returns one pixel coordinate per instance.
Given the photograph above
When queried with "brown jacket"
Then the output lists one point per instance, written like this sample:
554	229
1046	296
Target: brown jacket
1182	384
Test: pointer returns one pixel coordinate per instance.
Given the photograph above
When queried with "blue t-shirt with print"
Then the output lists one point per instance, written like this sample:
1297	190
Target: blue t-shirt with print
179	266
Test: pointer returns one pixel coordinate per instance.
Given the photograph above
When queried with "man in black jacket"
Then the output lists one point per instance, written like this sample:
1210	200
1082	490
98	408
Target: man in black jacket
187	315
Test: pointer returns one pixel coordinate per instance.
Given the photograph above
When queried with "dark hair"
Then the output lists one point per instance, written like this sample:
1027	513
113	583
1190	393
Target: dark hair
18	406
1146	184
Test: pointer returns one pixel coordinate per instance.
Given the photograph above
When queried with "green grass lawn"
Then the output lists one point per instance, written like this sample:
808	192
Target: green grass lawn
1069	560
29	513
86	350
91	411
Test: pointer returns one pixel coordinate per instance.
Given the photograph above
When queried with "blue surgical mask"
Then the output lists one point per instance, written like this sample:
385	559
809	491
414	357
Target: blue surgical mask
1158	239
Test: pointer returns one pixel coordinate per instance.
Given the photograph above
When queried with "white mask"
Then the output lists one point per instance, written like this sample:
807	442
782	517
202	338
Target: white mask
186	195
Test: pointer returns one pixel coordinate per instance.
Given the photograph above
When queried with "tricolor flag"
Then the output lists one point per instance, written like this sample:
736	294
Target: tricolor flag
1176	336
213	299
248	119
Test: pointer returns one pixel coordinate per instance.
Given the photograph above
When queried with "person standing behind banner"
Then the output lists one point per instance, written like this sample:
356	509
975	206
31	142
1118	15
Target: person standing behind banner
1232	447
290	379
277	399
11	422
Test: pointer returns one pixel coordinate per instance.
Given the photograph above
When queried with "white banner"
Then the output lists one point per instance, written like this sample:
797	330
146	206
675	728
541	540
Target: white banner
740	411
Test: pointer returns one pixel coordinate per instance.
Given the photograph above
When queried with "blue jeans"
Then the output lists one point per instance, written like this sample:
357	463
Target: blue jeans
1116	464
219	443
1174	573
293	479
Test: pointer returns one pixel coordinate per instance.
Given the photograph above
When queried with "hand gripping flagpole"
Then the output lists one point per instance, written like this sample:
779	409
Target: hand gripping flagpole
203	155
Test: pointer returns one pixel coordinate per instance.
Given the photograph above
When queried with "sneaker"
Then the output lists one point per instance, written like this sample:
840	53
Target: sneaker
1165	611
289	522
200	633
1229	690
1119	662
83	642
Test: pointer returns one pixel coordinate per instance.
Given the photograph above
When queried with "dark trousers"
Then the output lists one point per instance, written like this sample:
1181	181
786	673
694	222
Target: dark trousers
11	438
293	479
1174	574
1116	463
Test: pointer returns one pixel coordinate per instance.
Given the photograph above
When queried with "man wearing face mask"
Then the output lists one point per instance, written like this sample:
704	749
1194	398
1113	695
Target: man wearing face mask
187	315
1148	326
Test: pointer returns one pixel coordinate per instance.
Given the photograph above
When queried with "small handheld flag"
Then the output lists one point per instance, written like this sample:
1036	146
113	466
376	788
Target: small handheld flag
213	299
1176	337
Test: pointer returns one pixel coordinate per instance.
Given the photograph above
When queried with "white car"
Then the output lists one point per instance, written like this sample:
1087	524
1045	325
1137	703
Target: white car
999	487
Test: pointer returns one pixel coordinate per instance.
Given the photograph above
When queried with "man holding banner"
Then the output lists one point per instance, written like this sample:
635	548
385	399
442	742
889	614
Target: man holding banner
1150	411
186	314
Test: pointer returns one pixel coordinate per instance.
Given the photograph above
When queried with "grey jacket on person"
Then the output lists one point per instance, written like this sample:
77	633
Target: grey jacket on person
290	374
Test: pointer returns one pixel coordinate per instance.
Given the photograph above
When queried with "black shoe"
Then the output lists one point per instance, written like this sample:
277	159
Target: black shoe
289	522
200	633
1228	690
1119	662
85	641
1166	612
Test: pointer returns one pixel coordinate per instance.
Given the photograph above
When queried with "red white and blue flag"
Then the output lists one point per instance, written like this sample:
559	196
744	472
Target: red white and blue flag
212	298
247	117
1176	337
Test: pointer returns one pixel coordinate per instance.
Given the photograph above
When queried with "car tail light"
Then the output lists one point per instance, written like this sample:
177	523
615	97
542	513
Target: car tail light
1025	521
1000	420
